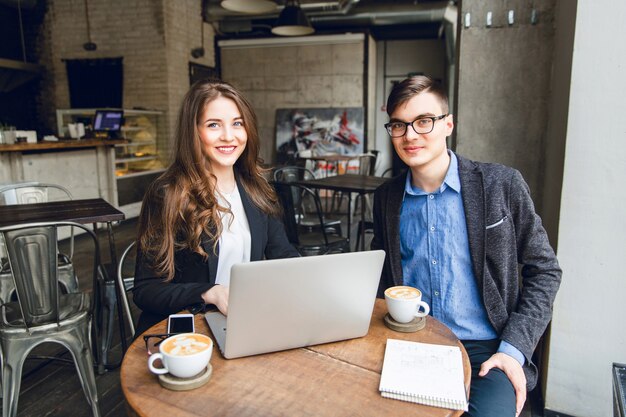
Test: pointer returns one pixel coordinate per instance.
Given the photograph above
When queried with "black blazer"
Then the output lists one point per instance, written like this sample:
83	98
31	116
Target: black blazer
193	276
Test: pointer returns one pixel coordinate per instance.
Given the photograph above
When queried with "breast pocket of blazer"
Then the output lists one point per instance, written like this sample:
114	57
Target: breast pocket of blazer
499	235
497	223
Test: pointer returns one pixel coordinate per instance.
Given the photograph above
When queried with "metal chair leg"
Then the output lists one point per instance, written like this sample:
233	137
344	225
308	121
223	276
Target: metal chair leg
84	365
12	363
107	317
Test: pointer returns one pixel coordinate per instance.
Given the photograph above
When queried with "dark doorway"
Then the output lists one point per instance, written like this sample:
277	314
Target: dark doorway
199	72
95	83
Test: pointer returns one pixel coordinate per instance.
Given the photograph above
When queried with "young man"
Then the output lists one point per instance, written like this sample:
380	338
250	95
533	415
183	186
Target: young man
458	230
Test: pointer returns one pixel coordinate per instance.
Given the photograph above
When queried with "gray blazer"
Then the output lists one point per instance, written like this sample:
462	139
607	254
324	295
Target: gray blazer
504	232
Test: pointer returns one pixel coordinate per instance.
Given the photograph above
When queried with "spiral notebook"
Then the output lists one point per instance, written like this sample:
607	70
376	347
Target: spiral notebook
423	373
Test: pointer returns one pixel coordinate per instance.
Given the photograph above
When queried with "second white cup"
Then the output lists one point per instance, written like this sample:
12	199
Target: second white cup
404	303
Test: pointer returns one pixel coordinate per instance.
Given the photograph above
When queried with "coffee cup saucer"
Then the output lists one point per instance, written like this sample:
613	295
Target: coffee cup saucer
414	325
175	383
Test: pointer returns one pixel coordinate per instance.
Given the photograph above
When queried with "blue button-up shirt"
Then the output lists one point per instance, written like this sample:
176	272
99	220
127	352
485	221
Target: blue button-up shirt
436	259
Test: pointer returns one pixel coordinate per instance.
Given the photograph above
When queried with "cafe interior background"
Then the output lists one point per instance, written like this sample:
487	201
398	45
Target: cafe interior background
534	84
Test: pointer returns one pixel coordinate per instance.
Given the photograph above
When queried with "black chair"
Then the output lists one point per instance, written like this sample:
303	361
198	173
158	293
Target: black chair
108	299
304	206
388	173
318	241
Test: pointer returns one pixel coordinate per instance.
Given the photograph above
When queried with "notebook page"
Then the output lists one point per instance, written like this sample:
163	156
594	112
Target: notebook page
423	373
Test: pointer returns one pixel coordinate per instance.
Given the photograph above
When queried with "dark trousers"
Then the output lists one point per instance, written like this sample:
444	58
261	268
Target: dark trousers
491	395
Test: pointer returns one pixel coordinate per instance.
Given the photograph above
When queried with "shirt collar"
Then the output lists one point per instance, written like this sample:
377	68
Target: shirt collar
451	180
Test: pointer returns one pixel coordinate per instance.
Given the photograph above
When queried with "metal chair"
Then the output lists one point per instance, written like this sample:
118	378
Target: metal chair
318	241
29	193
42	313
127	281
365	165
303	205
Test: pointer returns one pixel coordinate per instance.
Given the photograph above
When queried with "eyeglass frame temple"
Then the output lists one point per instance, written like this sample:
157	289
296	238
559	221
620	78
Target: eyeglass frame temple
162	336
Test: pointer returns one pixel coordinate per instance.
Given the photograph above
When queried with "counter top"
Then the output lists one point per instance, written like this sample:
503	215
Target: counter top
61	144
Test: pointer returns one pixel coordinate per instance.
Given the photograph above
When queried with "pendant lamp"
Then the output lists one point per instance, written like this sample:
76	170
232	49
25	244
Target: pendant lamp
292	21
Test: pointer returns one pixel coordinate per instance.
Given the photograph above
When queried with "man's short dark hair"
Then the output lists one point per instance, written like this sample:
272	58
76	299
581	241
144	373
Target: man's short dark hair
412	86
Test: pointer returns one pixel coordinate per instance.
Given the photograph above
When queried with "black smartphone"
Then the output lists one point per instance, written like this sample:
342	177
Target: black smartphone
180	323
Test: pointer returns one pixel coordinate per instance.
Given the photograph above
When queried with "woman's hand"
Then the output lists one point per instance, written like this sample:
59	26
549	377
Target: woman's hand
217	295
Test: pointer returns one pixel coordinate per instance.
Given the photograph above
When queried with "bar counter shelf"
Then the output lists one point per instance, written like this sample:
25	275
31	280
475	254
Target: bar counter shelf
60	144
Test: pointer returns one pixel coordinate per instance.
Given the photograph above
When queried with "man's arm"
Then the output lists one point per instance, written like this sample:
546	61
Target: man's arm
541	274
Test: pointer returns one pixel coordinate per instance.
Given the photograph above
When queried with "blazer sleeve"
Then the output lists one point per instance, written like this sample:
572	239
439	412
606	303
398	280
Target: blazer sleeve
278	245
154	295
540	272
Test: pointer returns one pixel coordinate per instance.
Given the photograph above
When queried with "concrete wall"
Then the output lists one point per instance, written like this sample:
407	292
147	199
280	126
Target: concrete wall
588	333
294	73
153	37
371	108
395	60
504	86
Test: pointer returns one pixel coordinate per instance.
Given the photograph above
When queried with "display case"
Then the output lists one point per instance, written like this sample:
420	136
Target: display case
138	160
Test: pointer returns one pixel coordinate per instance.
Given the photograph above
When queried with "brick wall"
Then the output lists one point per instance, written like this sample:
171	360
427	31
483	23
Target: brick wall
291	76
183	33
155	39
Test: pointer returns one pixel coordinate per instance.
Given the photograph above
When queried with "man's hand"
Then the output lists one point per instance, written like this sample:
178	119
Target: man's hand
513	370
217	295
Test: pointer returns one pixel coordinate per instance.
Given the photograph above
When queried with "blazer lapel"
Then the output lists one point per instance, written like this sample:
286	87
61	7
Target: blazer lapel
255	222
473	195
207	245
392	220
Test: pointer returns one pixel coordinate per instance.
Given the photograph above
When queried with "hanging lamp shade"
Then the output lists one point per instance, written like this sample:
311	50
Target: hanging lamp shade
292	22
249	6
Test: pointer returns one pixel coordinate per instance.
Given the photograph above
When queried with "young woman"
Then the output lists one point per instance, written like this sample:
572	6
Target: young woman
212	208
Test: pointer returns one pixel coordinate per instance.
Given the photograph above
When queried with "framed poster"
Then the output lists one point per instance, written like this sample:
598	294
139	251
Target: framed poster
318	132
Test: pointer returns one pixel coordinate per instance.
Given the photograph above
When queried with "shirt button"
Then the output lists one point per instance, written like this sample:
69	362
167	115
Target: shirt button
432	228
431	196
434	262
436	292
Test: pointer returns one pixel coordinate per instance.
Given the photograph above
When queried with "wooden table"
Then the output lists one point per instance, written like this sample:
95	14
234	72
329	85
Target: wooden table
95	210
349	183
334	379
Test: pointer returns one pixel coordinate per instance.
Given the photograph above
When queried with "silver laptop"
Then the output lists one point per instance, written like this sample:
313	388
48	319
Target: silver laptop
288	303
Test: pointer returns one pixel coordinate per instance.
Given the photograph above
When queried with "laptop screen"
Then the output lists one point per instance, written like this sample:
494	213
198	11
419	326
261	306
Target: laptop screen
108	120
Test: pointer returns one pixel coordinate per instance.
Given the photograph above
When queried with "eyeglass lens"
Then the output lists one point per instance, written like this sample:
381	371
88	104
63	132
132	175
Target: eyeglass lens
421	126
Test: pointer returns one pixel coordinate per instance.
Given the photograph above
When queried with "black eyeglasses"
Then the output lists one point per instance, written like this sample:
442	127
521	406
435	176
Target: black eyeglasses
153	341
421	125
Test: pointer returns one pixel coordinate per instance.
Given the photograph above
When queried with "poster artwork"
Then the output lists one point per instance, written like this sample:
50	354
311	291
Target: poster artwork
318	132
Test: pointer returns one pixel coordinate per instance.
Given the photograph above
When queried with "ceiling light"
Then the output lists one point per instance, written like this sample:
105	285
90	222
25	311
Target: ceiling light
249	6
292	21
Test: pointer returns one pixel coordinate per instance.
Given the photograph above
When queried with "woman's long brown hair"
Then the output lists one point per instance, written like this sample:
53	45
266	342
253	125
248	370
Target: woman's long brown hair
180	206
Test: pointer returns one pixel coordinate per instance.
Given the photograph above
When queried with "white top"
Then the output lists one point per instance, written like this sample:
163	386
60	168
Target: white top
235	241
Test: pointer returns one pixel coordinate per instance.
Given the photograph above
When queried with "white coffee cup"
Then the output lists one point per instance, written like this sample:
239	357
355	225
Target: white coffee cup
404	303
183	355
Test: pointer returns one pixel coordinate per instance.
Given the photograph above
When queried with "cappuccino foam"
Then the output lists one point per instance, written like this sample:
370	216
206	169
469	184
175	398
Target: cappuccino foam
403	293
185	345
